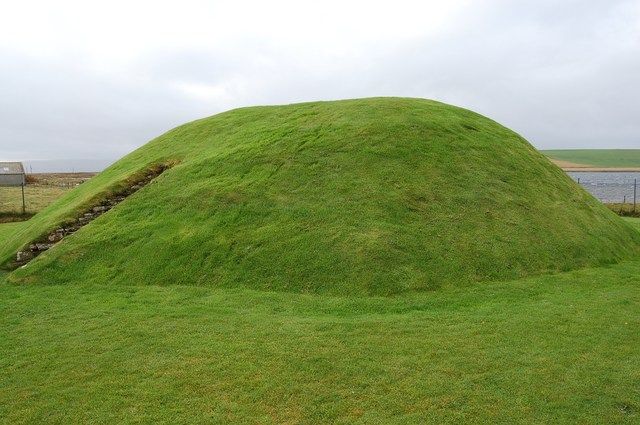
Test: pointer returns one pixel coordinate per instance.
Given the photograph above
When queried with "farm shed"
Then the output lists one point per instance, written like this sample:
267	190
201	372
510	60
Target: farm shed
11	174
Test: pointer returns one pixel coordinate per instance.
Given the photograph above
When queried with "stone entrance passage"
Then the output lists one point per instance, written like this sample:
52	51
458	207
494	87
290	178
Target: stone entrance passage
45	243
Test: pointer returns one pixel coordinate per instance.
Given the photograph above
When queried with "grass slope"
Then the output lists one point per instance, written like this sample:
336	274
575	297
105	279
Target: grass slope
634	221
554	349
598	157
7	229
370	196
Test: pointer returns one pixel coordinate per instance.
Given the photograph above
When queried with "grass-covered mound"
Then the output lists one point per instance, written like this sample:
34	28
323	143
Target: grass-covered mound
371	196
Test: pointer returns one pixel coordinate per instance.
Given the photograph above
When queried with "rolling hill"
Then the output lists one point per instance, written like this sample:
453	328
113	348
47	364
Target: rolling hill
358	197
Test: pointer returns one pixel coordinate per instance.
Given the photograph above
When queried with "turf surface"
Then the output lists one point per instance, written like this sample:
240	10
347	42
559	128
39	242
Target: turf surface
551	349
363	197
7	229
634	221
598	157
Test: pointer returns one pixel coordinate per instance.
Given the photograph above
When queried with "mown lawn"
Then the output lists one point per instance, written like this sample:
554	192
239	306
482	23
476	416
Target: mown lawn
552	349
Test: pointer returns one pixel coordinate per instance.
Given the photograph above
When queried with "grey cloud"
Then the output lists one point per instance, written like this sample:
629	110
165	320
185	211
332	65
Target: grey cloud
62	111
563	74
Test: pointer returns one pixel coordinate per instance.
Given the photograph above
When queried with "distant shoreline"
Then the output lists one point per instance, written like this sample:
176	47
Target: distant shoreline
596	160
576	168
600	170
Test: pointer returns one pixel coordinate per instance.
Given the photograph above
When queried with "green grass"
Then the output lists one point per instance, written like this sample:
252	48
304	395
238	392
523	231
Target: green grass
598	157
552	349
362	197
7	229
634	221
625	210
41	191
6	232
150	313
36	199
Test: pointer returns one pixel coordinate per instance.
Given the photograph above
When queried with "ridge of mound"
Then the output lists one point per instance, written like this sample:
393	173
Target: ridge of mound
367	196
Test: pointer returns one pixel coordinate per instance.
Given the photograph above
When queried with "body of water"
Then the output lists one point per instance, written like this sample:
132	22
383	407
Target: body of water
608	187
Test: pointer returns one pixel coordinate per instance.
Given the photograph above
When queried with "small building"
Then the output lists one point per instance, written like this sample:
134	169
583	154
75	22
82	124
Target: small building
12	174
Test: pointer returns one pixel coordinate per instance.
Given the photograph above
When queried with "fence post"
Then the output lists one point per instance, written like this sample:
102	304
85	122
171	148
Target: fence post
24	208
635	188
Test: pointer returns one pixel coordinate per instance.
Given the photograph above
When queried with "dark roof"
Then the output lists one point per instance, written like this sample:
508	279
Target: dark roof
11	168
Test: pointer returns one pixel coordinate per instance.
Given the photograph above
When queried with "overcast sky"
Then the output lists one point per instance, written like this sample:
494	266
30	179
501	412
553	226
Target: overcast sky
89	79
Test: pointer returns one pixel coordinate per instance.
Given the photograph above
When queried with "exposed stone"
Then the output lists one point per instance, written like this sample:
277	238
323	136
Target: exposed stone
24	256
55	237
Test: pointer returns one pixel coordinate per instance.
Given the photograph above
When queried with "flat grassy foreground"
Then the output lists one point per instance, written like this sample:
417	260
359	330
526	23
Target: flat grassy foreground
551	349
598	157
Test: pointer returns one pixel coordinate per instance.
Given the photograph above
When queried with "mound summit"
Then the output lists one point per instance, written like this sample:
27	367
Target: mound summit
368	196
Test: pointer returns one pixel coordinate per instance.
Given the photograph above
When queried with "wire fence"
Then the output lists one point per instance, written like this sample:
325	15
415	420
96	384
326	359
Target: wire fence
609	187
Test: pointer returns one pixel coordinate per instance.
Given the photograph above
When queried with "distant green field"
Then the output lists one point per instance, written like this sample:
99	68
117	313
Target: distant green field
598	157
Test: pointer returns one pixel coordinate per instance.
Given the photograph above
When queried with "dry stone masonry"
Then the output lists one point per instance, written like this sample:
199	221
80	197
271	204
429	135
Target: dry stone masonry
38	247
